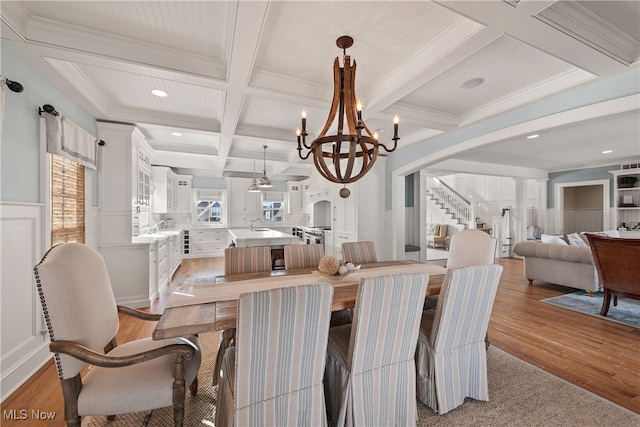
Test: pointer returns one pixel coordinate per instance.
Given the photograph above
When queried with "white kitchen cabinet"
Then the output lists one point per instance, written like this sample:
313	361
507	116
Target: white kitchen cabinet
294	197
244	207
164	189
124	183
341	237
358	217
163	264
184	199
205	242
176	245
132	271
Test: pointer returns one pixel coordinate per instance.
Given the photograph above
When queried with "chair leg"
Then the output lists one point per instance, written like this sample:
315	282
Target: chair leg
227	337
193	388
615	300
178	392
70	390
147	418
606	301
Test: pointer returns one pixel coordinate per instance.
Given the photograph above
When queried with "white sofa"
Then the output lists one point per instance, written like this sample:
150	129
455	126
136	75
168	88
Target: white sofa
565	265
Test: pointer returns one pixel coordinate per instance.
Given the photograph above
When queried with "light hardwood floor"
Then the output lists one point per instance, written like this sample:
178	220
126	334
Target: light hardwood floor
598	355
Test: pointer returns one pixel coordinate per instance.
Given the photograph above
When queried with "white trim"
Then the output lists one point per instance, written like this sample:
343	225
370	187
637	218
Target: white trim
559	201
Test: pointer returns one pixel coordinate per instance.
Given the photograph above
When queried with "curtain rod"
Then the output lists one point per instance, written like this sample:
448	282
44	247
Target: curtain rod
48	108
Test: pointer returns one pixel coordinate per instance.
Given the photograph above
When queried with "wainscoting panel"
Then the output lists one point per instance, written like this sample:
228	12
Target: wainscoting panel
23	334
578	220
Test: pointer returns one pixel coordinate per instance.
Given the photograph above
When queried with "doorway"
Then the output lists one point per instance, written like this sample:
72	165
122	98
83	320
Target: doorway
582	206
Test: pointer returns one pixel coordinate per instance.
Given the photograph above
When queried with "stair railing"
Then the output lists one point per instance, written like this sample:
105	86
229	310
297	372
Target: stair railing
461	209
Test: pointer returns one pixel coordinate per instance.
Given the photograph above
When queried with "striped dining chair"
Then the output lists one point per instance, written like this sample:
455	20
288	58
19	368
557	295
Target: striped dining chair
303	256
253	259
451	358
359	252
243	260
273	375
370	379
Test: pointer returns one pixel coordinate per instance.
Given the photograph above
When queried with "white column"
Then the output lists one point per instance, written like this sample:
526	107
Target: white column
543	213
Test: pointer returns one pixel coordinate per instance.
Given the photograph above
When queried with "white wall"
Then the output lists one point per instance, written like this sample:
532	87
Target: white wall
24	339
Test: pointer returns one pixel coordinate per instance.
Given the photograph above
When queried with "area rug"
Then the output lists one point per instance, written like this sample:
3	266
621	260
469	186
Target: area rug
520	395
627	311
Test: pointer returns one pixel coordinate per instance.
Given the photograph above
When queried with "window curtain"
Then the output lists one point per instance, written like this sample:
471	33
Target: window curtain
70	141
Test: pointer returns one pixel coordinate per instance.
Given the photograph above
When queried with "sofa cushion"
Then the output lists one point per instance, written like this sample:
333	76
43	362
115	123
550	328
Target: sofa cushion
551	239
576	240
431	229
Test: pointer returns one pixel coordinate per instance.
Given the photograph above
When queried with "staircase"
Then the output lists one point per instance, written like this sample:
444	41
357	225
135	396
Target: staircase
454	205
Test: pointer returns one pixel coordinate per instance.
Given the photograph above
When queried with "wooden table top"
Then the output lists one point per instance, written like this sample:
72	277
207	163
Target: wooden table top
214	309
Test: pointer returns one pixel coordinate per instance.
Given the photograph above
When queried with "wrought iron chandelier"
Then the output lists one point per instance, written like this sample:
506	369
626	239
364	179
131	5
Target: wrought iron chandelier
344	157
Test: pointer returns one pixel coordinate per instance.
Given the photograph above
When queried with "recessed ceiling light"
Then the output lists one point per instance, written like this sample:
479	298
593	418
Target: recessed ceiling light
158	92
176	134
533	136
471	83
607	151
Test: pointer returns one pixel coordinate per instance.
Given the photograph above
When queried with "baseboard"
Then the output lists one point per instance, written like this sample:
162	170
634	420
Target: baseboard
26	367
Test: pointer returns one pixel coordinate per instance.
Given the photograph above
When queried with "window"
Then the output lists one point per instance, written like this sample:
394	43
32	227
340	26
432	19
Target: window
272	211
209	211
67	201
210	206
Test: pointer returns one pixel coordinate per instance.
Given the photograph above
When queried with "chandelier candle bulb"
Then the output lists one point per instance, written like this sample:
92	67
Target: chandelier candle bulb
395	126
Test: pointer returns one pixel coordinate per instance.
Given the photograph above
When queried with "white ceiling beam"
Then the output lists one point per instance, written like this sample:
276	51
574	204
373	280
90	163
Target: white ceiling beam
518	22
248	27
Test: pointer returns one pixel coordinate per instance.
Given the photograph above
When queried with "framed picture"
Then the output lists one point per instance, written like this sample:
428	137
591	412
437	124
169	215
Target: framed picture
627	199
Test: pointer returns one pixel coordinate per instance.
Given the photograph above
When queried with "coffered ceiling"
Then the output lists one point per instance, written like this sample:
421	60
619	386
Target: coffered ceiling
238	73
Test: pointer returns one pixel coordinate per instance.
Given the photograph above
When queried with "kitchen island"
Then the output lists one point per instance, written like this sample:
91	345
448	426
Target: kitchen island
244	237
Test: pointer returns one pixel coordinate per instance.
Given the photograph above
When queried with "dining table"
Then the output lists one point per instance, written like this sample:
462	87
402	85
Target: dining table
207	304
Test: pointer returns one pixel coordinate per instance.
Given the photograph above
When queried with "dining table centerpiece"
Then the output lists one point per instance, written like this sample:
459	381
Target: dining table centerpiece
332	267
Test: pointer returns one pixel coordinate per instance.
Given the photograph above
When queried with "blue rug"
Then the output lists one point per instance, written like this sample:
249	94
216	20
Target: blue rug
627	311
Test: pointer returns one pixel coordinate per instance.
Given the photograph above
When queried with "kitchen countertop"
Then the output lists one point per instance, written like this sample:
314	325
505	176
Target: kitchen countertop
261	236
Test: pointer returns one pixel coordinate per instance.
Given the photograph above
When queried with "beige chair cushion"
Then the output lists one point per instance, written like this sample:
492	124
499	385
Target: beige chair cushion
138	387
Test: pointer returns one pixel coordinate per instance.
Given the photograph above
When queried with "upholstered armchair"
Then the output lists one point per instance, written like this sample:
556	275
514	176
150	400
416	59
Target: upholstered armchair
468	247
438	237
359	252
370	378
617	262
303	256
82	319
451	357
273	375
471	247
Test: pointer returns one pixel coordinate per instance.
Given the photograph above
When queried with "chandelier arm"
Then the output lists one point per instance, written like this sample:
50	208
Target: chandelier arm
336	98
395	145
304	141
301	156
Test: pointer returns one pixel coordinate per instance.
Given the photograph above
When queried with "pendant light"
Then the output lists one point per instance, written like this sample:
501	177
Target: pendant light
253	188
264	182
